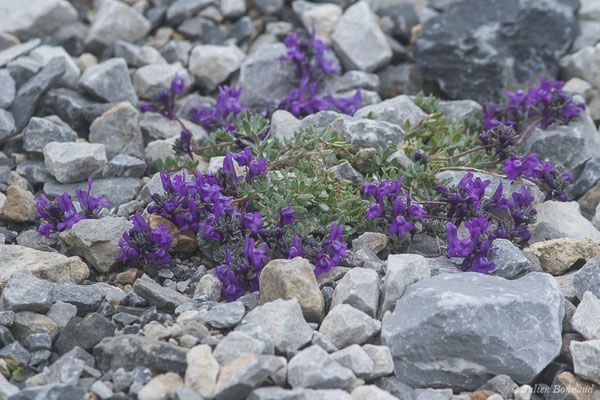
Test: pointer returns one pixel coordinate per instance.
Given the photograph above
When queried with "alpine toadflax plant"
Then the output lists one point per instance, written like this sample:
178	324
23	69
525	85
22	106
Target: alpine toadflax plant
145	243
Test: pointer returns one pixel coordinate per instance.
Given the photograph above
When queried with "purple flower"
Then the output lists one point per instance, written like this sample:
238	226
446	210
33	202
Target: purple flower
251	221
514	167
223	114
165	99
297	250
177	85
90	204
145	243
286	215
457	247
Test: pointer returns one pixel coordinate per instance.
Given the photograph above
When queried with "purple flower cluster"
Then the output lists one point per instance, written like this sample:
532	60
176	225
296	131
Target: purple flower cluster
61	213
500	138
546	103
145	243
466	199
394	206
325	255
240	274
553	182
473	249
310	58
222	115
521	212
165	100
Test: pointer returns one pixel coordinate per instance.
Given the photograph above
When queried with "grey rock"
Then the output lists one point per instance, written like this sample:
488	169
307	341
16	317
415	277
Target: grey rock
462	110
353	80
38	341
356	359
212	65
155	126
345	325
180	9
359	41
72	162
126	166
203	30
85	297
237	343
138	56
35	18
242	29
119	131
481	41
373	241
39	132
84	333
43	54
9	54
7	389
257	332
533	303
102	390
268	7
239	377
283	320
586	356
61	312
565	217
346	171
72	107
176	51
360	289
580	136
24	292
314	368
567	326
433	394
383	363
440	265
588	278
7	125
7	89
225	315
321	340
17	350
589	35
159	296
277	393
54	391
396	110
265	62
67	370
209	286
284	125
232	8
131	351
116	190
510	262
402	270
396	387
501	384
27	322
148	80
372	392
31	92
109	81
97	240
586	319
588	177
115	21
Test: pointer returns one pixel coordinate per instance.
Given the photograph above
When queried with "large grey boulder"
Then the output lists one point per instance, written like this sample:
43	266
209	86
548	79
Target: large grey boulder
460	330
401	270
359	41
495	43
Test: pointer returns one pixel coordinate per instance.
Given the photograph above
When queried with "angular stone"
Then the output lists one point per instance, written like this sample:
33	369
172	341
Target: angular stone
97	240
155	126
360	289
72	162
265	62
180	9
20	205
558	255
225	315
36	18
7	125
479	39
356	359
119	131
510	262
61	313
238	378
212	65
383	363
84	333
586	319
32	91
159	296
24	292
86	298
358	40
126	166
43	54
396	110
586	359
533	303
39	132
283	320
202	370
566	218
292	279
7	89
116	21
284	125
160	387
402	270
109	80
116	190
371	392
53	267
148	80
345	325
71	106
237	343
131	351
53	391
314	368
27	323
588	278
138	56
277	393
209	286
373	241
257	332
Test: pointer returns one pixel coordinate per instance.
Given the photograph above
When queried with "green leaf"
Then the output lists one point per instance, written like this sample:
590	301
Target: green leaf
18	375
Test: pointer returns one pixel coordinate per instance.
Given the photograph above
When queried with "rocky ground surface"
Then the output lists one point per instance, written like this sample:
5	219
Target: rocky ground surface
75	324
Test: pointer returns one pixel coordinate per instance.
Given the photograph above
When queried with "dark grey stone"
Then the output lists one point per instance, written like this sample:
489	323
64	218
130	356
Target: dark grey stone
510	262
84	333
588	278
131	351
459	330
109	81
71	106
159	296
13	52
39	132
7	89
495	42
127	166
38	341
393	385
250	375
588	177
7	125
24	292
314	368
225	315
17	350
180	9
242	29
55	391
203	30
32	91
22	69
34	171
86	298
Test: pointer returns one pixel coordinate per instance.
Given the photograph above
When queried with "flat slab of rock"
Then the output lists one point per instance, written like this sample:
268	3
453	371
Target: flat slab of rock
73	162
460	330
53	267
